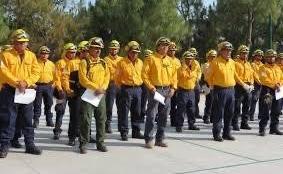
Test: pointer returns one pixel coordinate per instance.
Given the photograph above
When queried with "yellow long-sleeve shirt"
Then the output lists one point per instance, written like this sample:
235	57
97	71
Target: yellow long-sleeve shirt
256	66
244	71
47	71
14	69
270	75
196	65
72	66
205	70
60	69
159	71
112	64
187	77
222	72
97	77
129	73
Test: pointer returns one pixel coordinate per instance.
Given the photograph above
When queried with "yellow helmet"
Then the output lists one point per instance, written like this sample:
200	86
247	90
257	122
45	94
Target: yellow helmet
70	47
280	56
188	55
243	49
147	53
211	53
172	46
83	46
224	45
6	47
44	50
96	42
270	53
114	44
258	52
19	35
133	46
162	40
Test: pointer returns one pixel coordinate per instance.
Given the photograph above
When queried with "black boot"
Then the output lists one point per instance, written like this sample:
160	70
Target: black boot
236	127
179	129
33	150
245	126
50	123
72	142
16	144
92	140
83	149
261	132
108	128
275	131
193	127
101	148
228	137
137	134
124	136
4	151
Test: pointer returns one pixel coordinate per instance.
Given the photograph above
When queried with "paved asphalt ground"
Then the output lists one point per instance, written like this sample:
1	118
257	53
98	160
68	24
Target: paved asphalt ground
188	152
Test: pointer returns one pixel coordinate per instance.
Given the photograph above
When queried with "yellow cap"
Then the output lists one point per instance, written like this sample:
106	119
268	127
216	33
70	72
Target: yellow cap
44	50
83	46
243	49
133	46
270	53
96	42
19	35
114	44
70	47
188	55
163	41
224	45
211	53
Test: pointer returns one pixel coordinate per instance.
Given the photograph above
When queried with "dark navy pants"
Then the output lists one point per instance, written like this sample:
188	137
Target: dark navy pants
185	106
154	108
74	109
255	97
208	106
111	94
60	111
197	98
44	92
130	101
9	113
173	110
223	108
144	98
242	103
271	111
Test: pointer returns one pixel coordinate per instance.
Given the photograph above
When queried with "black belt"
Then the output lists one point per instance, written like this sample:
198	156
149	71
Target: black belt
220	87
183	89
130	86
49	83
162	87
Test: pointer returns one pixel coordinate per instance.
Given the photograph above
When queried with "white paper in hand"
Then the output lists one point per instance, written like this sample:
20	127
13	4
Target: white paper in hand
279	94
90	97
24	98
160	98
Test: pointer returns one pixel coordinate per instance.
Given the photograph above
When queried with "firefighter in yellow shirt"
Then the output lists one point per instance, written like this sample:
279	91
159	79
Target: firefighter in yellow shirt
209	94
187	78
158	75
271	79
44	87
144	96
279	61
70	84
222	79
256	64
244	87
129	81
68	54
112	91
176	62
19	71
94	75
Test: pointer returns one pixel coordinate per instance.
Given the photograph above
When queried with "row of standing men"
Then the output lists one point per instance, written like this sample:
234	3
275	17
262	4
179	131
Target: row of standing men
229	83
